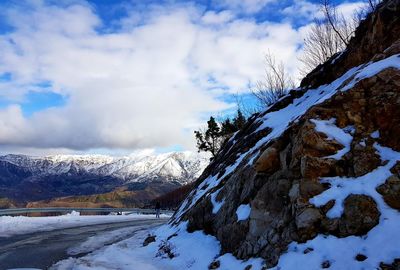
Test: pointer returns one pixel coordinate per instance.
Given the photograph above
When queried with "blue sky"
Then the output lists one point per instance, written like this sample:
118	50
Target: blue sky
113	76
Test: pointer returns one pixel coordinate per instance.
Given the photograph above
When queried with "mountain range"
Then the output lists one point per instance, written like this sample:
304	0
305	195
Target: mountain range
31	178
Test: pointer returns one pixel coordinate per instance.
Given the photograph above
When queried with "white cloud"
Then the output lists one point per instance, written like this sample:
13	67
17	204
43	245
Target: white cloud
349	8
212	17
146	85
303	9
309	10
244	6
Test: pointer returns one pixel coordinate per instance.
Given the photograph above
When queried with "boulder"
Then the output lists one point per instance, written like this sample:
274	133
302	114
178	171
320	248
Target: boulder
268	161
360	215
390	191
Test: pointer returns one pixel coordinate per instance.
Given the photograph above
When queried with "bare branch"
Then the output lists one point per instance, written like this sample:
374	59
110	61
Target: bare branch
330	35
275	84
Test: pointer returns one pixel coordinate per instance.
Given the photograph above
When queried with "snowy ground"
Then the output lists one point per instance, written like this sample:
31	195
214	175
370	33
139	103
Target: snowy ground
21	225
192	251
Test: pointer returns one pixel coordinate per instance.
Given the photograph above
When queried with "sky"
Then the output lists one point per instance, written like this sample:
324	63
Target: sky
113	77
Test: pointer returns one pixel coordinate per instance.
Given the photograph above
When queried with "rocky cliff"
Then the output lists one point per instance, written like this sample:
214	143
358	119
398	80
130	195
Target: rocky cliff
315	179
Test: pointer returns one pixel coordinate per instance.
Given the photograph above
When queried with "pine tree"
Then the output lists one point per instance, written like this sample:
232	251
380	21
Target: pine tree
216	134
227	127
209	140
239	120
212	136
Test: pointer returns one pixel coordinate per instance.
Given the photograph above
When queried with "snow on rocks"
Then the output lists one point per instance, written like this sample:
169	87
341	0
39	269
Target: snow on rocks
279	121
205	187
329	128
341	187
243	212
375	134
216	205
381	244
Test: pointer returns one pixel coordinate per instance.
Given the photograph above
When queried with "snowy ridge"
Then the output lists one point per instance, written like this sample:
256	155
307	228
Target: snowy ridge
279	121
178	166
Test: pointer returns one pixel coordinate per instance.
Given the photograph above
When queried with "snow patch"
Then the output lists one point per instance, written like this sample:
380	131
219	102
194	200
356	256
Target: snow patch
216	205
342	136
375	134
243	212
381	244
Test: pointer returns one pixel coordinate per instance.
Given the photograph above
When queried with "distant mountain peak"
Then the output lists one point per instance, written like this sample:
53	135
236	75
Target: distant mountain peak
67	175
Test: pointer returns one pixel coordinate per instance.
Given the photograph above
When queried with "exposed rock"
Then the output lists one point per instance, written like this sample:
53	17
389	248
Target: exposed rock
359	216
390	191
307	218
307	222
249	267
315	167
361	257
268	161
364	160
165	250
395	265
308	250
326	264
214	265
310	188
149	239
312	143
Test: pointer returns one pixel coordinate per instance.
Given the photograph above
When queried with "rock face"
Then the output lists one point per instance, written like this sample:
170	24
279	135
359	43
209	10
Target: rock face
279	158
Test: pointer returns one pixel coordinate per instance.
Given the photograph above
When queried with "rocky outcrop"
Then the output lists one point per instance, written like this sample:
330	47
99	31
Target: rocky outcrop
277	167
390	191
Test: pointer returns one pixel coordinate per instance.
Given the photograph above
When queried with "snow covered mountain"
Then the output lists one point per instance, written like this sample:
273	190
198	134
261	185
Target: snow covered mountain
30	177
182	167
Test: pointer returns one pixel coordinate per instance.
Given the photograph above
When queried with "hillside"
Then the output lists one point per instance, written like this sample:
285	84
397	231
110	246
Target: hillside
145	175
312	182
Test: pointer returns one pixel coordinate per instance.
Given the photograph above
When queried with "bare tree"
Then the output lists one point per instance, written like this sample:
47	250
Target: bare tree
331	34
319	45
363	11
275	83
342	28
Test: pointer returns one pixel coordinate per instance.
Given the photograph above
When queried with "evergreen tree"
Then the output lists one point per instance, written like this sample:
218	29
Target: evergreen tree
210	139
227	127
239	120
